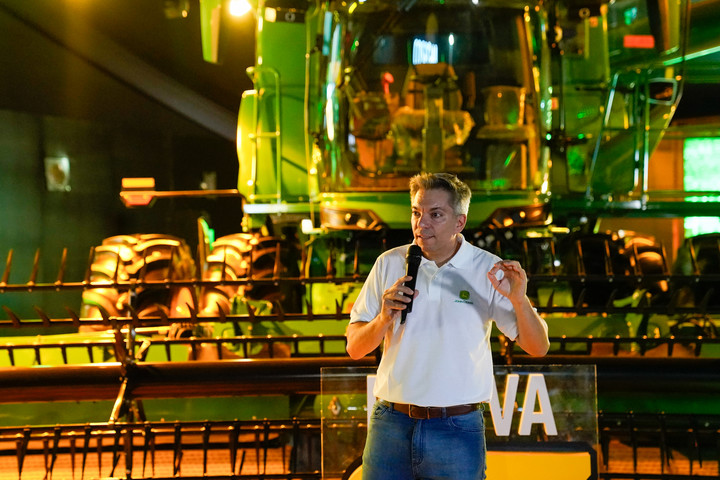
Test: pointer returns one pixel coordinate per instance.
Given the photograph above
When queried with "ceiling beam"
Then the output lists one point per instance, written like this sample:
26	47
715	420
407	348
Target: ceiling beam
109	57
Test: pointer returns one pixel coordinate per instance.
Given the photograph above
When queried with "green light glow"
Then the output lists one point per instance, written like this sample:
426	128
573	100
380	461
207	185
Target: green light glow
701	173
630	15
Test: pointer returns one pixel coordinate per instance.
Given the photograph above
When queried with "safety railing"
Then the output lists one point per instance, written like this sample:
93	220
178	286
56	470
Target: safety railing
584	284
633	446
163	349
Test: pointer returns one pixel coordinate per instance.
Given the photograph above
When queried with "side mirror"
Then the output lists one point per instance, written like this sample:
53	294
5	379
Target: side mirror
662	91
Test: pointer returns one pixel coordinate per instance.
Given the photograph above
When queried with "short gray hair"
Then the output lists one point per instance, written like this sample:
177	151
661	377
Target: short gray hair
459	191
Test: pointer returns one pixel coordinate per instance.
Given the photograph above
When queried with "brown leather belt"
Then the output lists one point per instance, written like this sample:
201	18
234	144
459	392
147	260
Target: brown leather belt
414	411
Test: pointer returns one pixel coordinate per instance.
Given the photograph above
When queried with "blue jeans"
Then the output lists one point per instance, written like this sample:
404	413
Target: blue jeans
402	448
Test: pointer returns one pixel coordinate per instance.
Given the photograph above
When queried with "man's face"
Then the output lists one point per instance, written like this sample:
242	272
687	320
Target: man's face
435	224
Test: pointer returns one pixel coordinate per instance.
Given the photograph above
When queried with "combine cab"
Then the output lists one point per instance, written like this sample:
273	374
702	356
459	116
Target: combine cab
550	111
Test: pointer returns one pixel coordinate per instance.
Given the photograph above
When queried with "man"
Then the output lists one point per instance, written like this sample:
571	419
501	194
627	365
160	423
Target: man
436	369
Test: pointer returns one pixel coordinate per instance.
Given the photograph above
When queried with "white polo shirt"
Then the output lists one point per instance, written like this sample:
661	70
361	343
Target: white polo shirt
441	355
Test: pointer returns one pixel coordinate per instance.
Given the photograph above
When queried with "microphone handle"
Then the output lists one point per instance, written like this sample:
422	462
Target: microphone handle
412	270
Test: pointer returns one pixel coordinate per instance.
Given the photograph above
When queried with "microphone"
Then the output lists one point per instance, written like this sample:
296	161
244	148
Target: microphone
412	262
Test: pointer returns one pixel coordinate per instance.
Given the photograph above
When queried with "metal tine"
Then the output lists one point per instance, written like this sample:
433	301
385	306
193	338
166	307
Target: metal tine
192	310
525	254
695	447
194	298
61	270
152	452
88	270
14	318
128	452
356	260
163	316
105	316
266	443
74	316
581	259
73	445
56	446
147	433
233	445
194	350
693	258
177	450
663	252
258	443
308	307
551	298
277	266
206	445
611	298
21	450
86	449
38	357
605	446
698	346
44	316
8	265
691	448
295	440
330	271
11	354
115	450
242	462
168	350
64	353
280	311
580	300
222	316
218	346
633	440
608	262
46	453
338	310
670	345
303	262
250	311
251	263
643	342
99	451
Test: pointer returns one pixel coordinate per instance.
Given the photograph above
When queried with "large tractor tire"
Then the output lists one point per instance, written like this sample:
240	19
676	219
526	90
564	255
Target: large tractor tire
247	257
141	258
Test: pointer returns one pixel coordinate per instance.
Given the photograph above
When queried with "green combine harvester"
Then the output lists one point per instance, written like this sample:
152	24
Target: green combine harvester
550	110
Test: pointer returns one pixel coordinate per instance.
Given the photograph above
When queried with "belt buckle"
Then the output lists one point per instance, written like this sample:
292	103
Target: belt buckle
425	412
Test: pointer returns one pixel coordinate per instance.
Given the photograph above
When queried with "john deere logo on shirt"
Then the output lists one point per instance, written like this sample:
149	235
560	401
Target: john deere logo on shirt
464	297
